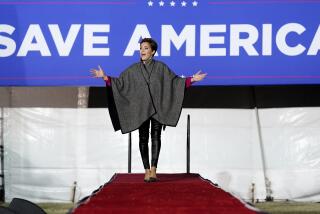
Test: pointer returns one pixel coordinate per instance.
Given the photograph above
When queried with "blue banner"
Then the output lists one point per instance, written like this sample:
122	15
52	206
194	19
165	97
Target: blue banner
257	42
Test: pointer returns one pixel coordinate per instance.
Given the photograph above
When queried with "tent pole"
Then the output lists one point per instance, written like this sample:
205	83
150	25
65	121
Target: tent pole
263	158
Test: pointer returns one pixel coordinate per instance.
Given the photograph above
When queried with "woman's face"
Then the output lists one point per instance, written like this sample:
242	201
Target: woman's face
145	51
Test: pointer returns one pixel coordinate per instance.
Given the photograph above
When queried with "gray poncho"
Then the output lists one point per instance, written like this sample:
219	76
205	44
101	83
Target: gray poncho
143	91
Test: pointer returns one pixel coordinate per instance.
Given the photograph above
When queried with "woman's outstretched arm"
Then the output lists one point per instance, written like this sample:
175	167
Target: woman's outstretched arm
99	73
198	76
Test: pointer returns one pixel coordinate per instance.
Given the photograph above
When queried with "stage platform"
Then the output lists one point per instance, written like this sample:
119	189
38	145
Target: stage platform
173	193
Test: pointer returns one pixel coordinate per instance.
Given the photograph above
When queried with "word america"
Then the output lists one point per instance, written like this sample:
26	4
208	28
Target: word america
212	40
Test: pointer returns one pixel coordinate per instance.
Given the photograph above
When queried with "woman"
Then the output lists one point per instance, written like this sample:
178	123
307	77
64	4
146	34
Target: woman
147	92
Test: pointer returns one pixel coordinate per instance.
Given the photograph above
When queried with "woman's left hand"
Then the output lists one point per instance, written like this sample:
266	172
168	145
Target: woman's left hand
198	76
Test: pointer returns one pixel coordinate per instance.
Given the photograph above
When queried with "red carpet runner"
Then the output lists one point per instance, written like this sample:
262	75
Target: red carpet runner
174	193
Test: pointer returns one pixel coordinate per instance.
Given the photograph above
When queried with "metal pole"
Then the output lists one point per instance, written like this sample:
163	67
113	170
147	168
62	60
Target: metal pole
129	152
2	154
266	179
263	159
188	144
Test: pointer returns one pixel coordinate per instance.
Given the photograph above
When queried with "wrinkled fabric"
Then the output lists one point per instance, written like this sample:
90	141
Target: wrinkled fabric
155	142
144	91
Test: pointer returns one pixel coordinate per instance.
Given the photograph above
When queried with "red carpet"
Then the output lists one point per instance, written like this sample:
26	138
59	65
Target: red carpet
174	193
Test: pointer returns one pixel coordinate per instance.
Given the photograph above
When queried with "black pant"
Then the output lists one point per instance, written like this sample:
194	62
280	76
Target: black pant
155	140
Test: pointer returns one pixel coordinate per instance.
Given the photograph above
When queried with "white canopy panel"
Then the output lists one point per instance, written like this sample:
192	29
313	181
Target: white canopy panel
48	149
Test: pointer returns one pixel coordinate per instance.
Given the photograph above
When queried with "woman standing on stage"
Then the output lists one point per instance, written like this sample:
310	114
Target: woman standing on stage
146	92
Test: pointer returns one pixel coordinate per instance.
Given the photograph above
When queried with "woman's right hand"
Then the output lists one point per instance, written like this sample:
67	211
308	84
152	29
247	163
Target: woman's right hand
98	73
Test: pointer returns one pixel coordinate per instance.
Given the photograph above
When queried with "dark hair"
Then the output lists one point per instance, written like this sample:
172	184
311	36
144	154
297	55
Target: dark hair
153	44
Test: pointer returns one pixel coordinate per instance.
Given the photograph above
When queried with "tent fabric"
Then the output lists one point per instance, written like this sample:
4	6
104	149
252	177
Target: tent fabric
48	149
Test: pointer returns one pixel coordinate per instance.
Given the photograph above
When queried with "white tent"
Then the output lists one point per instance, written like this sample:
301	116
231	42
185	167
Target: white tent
48	149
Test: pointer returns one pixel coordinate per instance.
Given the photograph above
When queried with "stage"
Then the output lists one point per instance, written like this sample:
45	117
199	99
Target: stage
173	193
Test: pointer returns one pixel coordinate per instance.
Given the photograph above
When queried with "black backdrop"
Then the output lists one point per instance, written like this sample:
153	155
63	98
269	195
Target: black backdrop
235	96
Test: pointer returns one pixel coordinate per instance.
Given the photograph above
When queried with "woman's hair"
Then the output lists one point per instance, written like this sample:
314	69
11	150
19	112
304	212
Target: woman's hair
153	44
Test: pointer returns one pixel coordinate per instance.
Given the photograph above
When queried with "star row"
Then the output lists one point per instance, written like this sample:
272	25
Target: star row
173	3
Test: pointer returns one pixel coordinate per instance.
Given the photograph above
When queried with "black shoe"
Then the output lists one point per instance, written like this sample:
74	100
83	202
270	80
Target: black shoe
152	179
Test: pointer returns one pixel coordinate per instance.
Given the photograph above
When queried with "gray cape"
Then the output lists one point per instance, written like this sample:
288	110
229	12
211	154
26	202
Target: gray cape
144	91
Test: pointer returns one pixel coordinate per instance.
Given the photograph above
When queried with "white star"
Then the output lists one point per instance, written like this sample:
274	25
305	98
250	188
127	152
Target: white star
194	3
161	3
150	3
172	4
182	76
183	4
